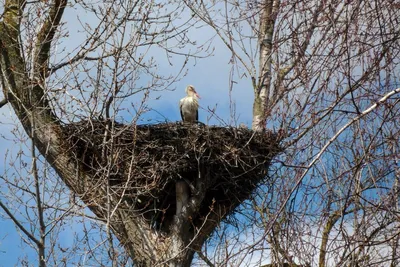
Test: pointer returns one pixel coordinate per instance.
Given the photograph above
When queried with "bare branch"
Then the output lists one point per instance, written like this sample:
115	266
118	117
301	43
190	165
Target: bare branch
46	35
19	225
205	259
40	210
3	102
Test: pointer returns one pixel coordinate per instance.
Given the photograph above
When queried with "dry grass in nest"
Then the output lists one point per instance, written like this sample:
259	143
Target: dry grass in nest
142	162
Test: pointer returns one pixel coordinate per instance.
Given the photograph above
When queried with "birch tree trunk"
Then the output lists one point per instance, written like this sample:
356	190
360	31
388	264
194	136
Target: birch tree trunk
264	93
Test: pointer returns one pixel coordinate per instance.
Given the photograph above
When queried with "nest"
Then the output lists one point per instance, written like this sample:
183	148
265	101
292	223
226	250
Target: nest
142	163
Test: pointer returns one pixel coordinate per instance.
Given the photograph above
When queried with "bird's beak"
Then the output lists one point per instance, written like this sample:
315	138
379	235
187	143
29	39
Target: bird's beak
197	95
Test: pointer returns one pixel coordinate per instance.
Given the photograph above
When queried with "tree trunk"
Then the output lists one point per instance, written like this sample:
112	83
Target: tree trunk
264	91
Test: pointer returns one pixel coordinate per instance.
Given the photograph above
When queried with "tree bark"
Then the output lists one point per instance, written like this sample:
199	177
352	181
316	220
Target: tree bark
325	237
263	90
182	195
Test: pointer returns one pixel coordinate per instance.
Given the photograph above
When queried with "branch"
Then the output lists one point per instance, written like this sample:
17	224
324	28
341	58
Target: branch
18	224
205	259
11	63
325	147
76	58
40	211
3	102
310	31
12	14
206	18
46	36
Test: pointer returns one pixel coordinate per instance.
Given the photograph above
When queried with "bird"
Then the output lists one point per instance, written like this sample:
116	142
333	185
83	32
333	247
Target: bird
189	105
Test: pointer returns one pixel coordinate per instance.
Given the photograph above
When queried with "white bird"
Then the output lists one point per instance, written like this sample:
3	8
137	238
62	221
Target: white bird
189	105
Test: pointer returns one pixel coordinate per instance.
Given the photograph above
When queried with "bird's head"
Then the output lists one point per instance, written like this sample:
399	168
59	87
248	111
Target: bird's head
190	91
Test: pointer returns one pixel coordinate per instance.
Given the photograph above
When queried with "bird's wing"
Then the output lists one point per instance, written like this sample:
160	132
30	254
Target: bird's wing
180	109
197	114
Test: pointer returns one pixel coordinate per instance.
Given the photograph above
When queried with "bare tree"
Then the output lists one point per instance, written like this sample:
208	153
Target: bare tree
323	73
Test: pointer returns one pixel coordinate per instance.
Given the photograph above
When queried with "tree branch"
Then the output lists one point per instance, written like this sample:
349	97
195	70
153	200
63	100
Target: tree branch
46	35
205	259
40	210
325	147
18	224
3	102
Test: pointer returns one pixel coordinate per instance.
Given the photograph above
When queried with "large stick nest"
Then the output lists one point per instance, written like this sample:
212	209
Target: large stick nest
143	162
